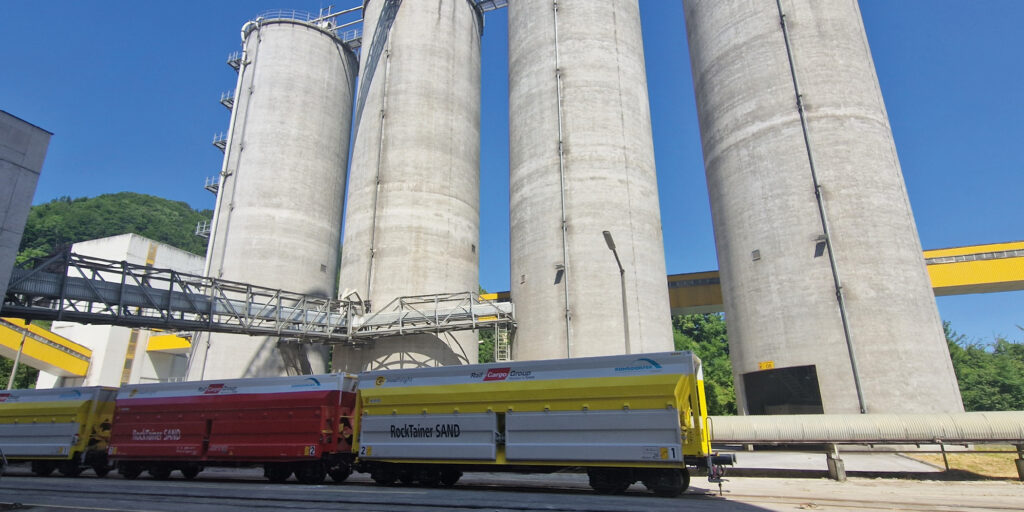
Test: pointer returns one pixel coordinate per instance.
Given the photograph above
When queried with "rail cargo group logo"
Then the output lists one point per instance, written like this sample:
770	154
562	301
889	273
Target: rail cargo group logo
506	373
639	365
497	374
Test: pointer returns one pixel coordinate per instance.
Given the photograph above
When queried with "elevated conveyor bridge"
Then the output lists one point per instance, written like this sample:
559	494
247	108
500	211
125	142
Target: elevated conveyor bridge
985	268
84	289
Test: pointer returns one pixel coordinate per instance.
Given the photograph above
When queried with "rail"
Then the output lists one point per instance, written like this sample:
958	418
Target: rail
84	289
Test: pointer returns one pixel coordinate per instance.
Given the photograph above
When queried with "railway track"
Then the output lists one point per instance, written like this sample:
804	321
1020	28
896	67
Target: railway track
245	490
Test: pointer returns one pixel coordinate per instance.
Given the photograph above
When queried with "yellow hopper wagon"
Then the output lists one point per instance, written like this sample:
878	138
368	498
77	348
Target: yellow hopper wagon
621	418
63	429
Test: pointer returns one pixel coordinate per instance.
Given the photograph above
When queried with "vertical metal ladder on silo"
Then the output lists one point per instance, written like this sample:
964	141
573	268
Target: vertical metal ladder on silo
502	347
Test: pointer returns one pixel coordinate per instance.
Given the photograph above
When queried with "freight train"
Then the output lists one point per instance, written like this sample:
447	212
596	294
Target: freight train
623	419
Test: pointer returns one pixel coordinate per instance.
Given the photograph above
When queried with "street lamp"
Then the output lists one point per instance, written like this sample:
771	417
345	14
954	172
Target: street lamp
622	281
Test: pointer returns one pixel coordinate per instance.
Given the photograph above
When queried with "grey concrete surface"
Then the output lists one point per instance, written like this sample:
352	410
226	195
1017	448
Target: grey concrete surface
780	298
279	208
22	151
412	224
581	71
245	490
808	461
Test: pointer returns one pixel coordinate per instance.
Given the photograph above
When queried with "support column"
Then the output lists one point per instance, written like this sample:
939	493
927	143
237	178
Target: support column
836	467
1020	462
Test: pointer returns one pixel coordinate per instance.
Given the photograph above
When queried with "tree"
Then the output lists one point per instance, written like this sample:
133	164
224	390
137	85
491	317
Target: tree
706	336
486	347
25	379
991	376
64	221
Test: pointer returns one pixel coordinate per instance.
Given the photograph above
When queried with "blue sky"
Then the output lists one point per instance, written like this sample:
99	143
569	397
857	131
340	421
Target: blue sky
131	90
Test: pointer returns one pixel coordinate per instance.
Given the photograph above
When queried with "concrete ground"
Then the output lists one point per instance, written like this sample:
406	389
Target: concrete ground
747	461
229	489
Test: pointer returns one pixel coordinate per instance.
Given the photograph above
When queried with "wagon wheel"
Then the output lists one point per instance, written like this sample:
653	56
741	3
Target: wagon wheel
160	472
101	470
610	481
667	483
129	471
311	473
190	471
70	467
382	474
42	468
340	472
450	476
277	472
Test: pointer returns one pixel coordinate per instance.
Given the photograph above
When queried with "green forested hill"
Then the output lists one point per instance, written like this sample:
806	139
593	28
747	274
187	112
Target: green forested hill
65	221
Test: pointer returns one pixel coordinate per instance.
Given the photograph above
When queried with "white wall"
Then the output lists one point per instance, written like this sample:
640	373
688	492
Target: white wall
109	344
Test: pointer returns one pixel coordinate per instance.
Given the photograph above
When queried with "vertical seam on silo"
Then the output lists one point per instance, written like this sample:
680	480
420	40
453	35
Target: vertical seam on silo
380	153
561	178
625	168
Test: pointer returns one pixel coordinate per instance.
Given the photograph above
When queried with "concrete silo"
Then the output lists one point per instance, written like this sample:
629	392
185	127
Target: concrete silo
827	299
412	220
582	162
278	215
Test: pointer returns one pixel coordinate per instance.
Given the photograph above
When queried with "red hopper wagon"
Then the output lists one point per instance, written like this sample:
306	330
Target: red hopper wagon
288	425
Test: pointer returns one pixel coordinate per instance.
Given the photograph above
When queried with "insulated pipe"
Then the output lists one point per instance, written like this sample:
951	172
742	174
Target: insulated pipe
965	427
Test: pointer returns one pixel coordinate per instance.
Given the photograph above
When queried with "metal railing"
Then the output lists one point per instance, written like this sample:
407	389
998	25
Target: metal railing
83	289
203	228
228	99
220	141
212	183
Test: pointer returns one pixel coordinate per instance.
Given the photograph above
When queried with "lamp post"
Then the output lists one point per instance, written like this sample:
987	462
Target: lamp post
622	282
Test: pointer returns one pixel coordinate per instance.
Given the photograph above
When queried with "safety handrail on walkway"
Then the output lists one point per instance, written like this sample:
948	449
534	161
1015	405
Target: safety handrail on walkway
84	289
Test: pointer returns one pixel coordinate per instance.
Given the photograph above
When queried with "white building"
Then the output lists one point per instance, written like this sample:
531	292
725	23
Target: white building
123	355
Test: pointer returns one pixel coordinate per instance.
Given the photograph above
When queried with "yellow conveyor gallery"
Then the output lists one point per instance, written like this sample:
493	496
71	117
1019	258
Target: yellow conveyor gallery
984	268
49	352
628	411
959	270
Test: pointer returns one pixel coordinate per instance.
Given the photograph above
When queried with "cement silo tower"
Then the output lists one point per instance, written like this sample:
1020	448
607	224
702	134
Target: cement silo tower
827	298
278	214
412	220
582	163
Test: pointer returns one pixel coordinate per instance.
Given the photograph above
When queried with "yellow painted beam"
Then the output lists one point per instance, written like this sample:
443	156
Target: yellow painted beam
44	350
168	343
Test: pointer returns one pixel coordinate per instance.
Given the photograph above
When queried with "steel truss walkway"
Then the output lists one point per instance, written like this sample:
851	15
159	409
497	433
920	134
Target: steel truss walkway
83	289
